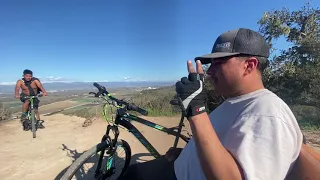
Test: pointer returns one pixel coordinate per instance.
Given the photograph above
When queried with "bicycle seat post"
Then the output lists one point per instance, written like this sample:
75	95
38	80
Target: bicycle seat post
178	102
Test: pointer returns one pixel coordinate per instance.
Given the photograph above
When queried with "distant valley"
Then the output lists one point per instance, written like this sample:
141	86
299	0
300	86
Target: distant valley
63	86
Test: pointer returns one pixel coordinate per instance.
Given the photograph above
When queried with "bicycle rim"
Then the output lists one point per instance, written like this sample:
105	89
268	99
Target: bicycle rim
75	170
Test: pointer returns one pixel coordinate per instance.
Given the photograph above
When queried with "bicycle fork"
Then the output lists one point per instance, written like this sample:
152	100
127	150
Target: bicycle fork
111	149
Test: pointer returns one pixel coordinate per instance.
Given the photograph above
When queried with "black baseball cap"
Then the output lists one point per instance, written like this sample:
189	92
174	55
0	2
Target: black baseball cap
235	42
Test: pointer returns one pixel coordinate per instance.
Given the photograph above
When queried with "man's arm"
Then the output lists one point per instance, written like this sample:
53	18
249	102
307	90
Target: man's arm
17	89
215	160
38	83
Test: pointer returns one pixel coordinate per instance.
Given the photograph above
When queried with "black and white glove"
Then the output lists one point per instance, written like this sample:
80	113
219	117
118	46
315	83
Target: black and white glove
191	92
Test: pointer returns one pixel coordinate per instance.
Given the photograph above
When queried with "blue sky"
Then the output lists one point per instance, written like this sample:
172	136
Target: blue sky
76	40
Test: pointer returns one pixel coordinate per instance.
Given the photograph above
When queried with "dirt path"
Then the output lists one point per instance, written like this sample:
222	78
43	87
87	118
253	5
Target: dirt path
313	139
22	157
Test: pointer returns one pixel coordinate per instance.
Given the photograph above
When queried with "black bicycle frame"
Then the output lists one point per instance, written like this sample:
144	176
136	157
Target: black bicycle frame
125	121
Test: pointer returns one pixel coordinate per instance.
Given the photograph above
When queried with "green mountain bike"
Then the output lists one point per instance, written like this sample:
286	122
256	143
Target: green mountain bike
31	115
105	152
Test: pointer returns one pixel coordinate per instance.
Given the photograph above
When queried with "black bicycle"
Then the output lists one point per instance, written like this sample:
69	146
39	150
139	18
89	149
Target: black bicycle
104	166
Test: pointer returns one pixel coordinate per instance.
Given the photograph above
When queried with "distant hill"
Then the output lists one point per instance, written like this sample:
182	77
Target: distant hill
62	86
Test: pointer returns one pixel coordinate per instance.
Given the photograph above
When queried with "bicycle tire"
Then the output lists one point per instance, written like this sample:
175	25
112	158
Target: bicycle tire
33	123
74	167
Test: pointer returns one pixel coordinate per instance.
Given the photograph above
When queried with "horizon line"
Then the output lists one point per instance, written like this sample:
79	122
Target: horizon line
125	81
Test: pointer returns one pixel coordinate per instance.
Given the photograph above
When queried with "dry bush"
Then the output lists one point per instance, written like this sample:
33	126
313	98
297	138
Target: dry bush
5	112
157	101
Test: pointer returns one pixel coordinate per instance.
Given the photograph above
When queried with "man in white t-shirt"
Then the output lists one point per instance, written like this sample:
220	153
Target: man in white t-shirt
252	135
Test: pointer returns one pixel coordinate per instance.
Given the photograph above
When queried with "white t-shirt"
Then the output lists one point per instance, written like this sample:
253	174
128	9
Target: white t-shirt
260	131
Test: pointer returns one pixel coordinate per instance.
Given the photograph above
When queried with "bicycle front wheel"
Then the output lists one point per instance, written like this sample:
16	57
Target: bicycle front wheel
33	123
107	167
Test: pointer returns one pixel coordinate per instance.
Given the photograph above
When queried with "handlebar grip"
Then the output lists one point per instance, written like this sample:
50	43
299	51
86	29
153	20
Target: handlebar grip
138	109
97	85
102	89
142	111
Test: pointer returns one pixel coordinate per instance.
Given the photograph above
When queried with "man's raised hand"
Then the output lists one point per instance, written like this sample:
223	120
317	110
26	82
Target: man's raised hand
190	90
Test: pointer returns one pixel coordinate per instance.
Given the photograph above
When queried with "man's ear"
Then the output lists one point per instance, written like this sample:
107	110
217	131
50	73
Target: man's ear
251	64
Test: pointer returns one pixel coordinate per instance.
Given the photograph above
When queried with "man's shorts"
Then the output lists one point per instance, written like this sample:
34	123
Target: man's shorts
36	101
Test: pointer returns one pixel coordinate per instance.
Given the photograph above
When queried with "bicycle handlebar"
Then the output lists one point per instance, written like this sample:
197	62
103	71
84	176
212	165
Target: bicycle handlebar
104	92
134	107
30	97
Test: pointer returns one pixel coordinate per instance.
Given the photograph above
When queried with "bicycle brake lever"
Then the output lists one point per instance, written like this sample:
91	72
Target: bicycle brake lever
97	94
181	106
93	93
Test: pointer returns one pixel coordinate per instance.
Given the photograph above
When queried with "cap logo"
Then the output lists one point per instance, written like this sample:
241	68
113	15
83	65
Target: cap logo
225	45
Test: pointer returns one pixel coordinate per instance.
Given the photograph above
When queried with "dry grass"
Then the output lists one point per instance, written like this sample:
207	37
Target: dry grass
5	112
157	101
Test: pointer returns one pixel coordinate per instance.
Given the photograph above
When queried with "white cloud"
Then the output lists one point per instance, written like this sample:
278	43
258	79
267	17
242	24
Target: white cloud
52	79
49	79
90	81
130	79
8	83
139	79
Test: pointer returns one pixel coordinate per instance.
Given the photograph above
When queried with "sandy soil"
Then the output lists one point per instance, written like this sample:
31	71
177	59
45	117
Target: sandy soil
22	157
313	139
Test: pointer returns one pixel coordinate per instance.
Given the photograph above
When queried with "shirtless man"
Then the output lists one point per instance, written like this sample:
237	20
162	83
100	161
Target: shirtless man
32	90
